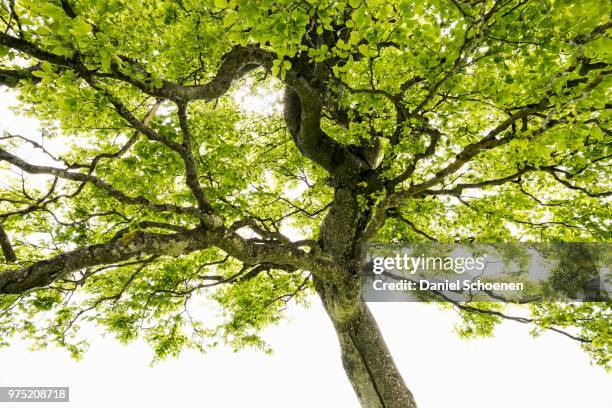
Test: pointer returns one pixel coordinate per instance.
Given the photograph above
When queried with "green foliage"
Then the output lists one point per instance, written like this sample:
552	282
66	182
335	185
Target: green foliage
462	70
593	321
478	324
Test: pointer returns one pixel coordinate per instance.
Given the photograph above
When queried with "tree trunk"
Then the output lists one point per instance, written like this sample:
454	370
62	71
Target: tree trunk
365	356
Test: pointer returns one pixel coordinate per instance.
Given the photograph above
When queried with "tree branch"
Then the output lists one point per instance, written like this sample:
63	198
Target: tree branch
7	248
191	173
101	184
138	243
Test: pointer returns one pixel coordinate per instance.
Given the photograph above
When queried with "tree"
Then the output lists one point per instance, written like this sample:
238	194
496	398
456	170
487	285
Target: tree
439	120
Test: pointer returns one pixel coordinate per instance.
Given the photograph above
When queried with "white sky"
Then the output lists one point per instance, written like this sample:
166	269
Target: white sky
510	370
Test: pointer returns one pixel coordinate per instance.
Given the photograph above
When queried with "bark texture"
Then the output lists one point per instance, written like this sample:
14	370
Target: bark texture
365	357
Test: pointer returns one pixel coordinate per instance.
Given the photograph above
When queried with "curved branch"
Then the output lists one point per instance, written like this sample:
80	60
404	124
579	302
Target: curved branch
311	140
236	63
302	112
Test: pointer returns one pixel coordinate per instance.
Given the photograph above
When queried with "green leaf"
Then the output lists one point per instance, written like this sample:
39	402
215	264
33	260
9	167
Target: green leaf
220	4
230	19
51	10
105	59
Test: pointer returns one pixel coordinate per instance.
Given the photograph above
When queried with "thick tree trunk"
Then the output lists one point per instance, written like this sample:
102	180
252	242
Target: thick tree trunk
365	356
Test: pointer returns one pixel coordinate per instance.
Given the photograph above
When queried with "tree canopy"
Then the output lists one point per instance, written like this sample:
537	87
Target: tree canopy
401	121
